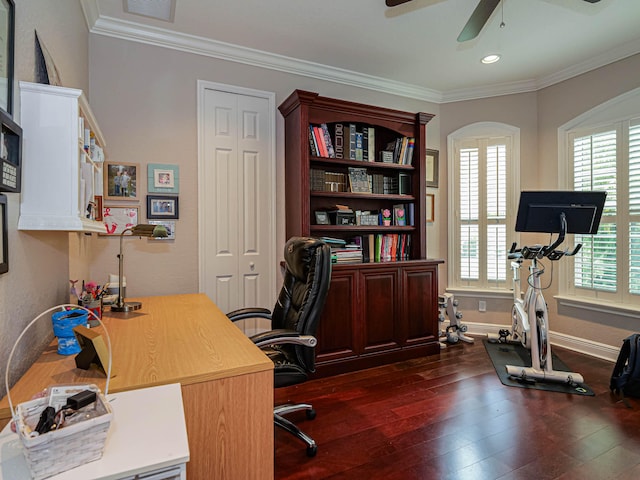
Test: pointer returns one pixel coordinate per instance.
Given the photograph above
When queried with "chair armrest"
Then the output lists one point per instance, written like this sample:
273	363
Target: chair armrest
252	312
283	337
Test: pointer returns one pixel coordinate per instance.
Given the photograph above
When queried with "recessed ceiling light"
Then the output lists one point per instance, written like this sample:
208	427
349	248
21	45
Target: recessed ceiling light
492	58
160	9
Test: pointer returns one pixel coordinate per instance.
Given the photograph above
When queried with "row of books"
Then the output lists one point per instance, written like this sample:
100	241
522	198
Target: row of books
323	181
402	149
352	141
374	248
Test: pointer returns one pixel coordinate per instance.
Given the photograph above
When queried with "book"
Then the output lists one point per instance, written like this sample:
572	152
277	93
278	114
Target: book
339	140
359	146
372	144
365	144
359	180
327	141
312	143
352	141
410	147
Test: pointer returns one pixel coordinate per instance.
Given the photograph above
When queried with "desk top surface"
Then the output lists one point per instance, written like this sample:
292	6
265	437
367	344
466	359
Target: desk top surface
182	339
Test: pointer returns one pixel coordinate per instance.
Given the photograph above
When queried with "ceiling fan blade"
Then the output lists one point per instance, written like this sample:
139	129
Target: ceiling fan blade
477	20
395	3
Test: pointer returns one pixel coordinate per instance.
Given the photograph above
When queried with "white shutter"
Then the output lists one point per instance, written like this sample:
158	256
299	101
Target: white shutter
469	209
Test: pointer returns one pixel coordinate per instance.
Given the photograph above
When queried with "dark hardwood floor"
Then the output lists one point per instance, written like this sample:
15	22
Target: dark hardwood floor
449	417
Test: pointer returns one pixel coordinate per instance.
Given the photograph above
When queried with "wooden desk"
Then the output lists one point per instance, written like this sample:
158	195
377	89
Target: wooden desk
227	382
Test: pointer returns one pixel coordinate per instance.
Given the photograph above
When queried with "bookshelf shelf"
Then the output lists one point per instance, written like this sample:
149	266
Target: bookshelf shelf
376	312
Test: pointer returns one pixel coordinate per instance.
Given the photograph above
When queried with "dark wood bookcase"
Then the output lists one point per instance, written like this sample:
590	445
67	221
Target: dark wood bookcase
376	312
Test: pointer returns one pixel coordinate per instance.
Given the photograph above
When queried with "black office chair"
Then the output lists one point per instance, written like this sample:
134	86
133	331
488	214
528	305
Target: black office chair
291	342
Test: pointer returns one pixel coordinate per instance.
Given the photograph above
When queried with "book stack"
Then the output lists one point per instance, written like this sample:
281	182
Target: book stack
343	252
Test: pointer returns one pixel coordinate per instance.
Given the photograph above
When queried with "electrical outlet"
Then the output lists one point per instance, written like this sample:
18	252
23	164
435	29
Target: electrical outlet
482	306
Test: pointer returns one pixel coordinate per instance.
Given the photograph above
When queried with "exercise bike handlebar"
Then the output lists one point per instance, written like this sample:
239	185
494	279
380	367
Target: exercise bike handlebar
550	251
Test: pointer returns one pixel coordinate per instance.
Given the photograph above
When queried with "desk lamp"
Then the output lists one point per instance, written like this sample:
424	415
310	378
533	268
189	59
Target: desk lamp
140	230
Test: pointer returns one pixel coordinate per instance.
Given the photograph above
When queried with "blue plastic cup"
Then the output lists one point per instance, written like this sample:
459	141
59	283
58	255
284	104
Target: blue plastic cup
63	325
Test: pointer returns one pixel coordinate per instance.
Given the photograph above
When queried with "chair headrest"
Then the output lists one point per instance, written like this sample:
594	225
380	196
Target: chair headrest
299	253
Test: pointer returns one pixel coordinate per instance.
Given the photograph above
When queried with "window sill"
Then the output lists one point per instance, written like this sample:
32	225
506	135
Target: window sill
601	307
478	292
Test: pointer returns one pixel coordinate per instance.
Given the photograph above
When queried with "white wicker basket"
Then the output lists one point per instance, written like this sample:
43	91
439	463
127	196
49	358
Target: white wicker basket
68	447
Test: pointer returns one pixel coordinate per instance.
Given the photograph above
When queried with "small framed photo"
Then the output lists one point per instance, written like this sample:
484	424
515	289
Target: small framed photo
116	219
10	153
4	242
431	168
170	225
322	218
430	208
163	178
120	181
162	206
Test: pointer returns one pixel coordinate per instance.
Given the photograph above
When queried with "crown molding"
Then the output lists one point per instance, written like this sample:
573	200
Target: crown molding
136	32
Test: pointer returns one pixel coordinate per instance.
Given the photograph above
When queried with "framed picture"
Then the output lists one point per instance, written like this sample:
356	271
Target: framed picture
116	219
120	181
162	206
7	35
431	168
170	225
4	243
163	178
430	208
322	218
10	153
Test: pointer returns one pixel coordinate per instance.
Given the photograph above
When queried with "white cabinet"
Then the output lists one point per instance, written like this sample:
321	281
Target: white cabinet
147	440
60	180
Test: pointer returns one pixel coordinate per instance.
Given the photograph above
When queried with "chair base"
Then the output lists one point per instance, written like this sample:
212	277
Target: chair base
290	427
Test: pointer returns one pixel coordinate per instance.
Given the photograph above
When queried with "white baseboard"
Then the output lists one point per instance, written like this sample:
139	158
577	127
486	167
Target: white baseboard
588	347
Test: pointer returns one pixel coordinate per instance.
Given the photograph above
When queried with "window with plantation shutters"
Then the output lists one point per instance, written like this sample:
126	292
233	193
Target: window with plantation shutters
608	265
484	183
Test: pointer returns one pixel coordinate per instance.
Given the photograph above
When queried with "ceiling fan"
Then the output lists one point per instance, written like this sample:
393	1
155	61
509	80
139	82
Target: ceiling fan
477	20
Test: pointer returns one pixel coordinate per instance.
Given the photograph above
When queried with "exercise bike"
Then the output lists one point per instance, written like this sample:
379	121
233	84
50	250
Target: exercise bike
545	212
530	315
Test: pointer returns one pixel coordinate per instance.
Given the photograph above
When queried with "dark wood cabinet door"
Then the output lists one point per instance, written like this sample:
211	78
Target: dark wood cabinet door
380	329
420	306
336	330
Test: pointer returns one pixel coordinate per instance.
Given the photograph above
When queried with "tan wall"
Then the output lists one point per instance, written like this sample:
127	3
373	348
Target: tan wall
539	115
38	276
145	100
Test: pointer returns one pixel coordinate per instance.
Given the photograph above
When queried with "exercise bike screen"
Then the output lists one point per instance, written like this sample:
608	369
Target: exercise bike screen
540	211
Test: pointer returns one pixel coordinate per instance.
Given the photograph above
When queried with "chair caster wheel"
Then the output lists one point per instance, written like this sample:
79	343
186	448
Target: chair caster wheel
311	414
311	451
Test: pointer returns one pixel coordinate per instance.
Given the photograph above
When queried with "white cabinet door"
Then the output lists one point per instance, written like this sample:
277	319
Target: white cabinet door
237	196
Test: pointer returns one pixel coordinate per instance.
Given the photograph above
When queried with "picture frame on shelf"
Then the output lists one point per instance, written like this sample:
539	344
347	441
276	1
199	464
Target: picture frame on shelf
322	218
162	207
4	247
163	178
170	225
430	208
431	168
117	218
7	46
120	181
10	154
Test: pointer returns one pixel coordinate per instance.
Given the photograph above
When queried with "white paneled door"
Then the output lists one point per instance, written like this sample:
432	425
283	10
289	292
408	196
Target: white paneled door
236	196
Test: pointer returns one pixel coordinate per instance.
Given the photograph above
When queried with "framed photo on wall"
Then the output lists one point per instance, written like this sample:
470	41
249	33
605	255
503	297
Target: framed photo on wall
4	242
163	178
10	154
431	168
120	181
170	225
7	36
116	219
162	206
